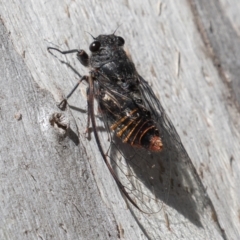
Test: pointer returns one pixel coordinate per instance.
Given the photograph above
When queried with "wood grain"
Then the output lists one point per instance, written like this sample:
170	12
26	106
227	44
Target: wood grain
54	184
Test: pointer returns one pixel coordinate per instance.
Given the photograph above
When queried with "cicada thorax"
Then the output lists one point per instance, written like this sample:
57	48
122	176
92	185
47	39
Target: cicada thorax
131	122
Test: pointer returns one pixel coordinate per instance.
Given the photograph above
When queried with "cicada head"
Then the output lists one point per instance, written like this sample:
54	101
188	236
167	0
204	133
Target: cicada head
105	48
106	42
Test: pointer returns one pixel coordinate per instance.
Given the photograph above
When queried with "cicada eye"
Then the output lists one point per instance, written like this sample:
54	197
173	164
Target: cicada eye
95	46
121	41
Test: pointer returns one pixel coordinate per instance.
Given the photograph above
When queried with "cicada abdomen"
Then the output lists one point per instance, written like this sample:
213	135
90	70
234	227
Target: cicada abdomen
130	121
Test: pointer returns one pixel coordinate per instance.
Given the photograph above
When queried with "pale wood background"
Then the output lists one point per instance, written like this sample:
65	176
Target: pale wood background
57	187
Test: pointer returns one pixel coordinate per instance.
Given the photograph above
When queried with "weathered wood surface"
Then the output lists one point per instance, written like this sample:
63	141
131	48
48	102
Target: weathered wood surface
57	187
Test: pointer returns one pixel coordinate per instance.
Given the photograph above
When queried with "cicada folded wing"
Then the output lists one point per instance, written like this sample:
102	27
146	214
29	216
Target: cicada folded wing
149	178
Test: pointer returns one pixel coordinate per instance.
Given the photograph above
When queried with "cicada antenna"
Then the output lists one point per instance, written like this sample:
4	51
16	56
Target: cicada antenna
117	28
90	35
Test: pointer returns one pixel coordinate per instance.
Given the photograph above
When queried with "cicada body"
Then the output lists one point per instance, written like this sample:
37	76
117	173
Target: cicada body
119	96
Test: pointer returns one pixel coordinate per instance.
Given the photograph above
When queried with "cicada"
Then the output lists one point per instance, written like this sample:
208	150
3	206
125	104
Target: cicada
143	146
